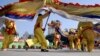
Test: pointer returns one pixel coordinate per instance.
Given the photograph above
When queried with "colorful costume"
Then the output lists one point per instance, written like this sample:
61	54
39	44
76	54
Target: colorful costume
77	42
39	33
71	38
8	32
86	34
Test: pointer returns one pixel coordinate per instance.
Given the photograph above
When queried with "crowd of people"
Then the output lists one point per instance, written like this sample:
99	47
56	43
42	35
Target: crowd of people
71	36
74	38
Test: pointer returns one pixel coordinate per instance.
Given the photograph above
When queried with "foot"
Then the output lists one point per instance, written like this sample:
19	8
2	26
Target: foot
26	46
55	48
4	49
44	50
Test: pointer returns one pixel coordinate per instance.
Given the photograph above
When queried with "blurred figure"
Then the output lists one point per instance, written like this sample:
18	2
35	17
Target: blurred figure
86	34
9	32
51	27
39	33
58	35
71	38
57	41
77	41
59	31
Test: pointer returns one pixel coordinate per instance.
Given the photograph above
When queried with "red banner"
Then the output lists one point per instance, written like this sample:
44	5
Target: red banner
24	0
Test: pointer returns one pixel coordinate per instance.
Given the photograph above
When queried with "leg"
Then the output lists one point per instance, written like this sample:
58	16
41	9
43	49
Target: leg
78	44
5	42
30	42
84	44
89	35
11	39
55	44
71	42
41	38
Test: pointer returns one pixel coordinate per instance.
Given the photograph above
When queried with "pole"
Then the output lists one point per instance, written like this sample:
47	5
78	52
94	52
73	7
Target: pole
47	21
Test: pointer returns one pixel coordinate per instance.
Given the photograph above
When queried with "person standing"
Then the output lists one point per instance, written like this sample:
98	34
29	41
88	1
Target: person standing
9	32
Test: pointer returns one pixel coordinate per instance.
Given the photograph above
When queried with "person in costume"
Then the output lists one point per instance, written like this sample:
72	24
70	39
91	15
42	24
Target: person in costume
87	35
57	40
71	38
9	32
59	36
77	41
39	33
63	36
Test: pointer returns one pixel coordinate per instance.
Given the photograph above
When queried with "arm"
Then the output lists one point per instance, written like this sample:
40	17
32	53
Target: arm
51	25
45	15
15	29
